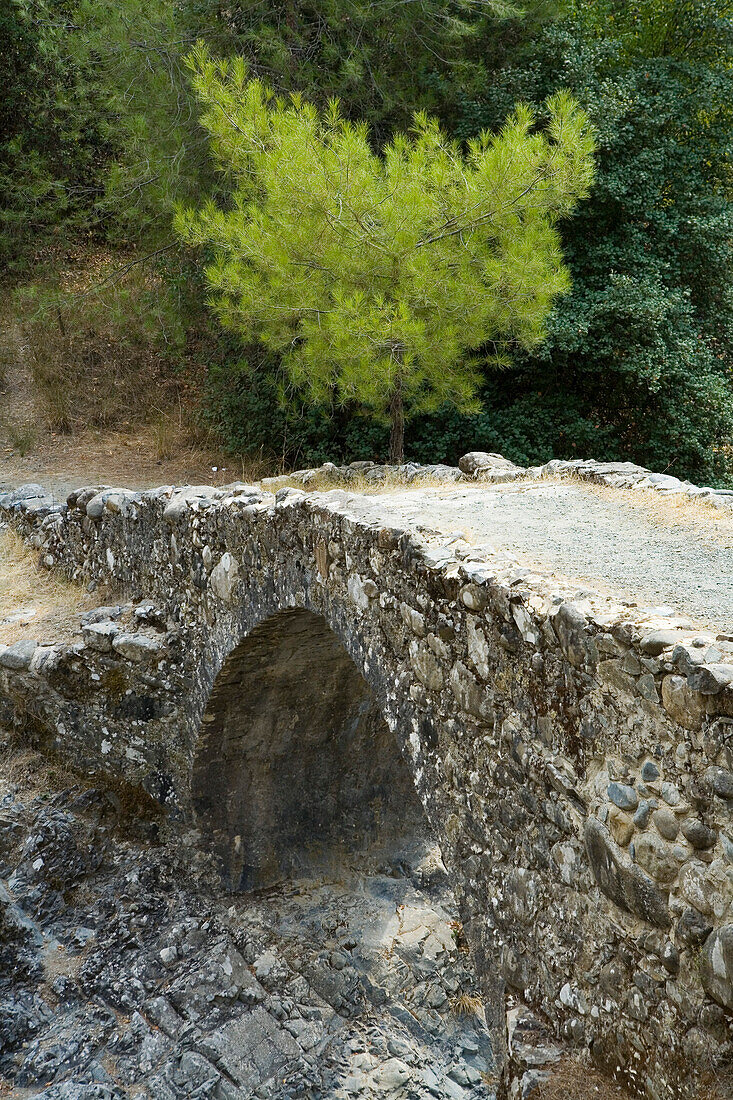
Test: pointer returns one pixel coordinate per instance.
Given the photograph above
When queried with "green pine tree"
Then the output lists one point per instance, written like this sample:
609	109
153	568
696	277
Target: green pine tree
378	279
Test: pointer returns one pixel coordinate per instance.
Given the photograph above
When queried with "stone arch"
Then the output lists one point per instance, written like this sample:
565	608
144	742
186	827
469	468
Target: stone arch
296	767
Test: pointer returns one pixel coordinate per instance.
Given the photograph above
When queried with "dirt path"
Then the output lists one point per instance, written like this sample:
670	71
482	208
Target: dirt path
63	463
162	452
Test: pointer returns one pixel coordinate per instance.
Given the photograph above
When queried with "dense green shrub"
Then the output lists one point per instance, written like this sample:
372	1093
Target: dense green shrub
641	346
51	150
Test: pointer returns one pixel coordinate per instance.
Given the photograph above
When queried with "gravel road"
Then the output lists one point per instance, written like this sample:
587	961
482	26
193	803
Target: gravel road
575	533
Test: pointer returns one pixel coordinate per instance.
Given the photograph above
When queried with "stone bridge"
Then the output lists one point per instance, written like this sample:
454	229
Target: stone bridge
302	675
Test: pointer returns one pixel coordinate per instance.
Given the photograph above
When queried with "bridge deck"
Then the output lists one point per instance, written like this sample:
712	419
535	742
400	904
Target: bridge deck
629	545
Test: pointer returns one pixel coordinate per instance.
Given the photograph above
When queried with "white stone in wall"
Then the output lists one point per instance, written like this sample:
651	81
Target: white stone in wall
357	592
478	649
224	577
525	624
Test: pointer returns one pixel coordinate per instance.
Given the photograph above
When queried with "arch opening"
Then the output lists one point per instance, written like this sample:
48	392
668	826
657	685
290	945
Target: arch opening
297	771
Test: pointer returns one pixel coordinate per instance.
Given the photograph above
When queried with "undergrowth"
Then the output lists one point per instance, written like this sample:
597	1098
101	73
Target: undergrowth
105	351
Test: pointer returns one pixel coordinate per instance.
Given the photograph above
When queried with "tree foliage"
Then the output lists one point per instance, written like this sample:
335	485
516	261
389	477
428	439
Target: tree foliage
100	138
378	57
377	278
122	64
639	351
157	152
50	145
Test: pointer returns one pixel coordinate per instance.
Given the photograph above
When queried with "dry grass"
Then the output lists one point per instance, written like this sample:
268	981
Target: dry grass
102	385
21	435
102	350
33	772
665	509
574	1079
35	603
466	1004
152	454
323	482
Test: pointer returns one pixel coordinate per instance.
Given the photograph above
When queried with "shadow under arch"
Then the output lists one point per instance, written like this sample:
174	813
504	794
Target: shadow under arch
296	768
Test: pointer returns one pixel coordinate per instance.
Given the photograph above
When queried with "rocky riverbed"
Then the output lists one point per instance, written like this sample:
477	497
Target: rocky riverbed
125	971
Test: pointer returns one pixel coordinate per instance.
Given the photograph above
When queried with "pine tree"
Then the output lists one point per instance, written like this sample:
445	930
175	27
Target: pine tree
379	279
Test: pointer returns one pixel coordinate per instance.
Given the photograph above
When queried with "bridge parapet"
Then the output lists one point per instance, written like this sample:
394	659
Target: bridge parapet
573	756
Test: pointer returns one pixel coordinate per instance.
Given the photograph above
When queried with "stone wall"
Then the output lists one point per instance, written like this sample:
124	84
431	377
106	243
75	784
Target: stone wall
575	762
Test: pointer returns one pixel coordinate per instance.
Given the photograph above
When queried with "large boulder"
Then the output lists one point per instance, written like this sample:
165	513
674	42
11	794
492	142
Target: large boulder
622	881
476	463
716	966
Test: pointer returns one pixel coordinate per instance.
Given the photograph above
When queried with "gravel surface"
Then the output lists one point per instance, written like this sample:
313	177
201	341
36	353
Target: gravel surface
574	533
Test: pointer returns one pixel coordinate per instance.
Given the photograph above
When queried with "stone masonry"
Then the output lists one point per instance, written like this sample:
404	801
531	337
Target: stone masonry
574	762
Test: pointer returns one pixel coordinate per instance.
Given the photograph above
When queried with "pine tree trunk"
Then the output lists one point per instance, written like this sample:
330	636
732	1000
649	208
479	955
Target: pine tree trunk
397	432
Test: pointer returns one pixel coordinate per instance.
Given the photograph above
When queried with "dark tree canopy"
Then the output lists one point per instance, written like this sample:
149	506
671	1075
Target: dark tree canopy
640	349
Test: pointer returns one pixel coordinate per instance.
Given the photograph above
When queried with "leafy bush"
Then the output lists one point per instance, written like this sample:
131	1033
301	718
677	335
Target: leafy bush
641	347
